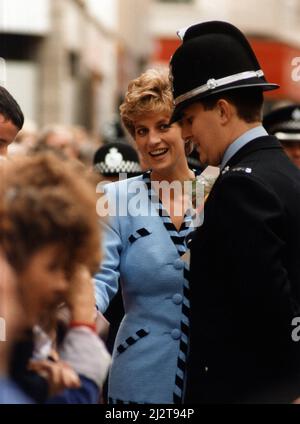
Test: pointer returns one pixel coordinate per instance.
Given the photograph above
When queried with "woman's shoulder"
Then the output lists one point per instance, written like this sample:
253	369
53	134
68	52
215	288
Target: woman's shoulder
124	185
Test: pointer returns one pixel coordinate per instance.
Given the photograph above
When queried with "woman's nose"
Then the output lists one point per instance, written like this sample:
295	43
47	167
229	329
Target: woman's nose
154	137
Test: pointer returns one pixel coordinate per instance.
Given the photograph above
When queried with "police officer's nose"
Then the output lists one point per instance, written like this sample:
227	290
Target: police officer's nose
186	136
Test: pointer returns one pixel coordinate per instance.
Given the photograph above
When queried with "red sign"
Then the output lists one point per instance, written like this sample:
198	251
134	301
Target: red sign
279	61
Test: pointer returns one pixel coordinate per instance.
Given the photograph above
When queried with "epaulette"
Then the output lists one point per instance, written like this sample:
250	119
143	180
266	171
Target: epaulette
236	169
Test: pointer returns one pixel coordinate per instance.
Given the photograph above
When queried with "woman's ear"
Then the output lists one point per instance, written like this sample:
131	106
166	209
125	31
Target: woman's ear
188	147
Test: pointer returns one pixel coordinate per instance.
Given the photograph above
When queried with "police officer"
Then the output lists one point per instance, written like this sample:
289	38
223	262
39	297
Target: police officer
244	270
284	123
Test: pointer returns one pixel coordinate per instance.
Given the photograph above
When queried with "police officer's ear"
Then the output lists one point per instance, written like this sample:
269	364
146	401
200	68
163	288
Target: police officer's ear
225	111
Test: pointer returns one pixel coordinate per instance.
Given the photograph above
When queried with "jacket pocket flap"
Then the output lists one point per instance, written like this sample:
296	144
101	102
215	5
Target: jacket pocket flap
141	232
143	332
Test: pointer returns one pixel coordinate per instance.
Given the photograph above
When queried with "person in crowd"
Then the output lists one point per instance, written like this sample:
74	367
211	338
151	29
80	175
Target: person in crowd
49	234
86	145
145	251
58	139
114	158
25	140
284	123
11	319
11	120
78	350
244	270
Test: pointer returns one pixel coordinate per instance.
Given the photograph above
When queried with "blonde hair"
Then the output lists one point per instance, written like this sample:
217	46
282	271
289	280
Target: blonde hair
149	93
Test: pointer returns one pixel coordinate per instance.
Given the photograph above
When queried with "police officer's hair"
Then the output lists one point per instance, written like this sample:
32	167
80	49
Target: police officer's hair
149	93
248	102
10	109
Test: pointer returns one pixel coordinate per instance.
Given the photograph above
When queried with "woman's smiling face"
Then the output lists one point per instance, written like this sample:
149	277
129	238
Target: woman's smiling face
160	144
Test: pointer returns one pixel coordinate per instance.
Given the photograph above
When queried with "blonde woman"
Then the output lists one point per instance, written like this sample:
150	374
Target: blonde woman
143	248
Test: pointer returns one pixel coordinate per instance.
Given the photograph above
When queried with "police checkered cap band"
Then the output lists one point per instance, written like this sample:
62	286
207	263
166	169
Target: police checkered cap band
215	83
285	127
128	167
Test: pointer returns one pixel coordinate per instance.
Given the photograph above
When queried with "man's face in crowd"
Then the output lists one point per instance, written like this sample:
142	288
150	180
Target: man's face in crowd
8	132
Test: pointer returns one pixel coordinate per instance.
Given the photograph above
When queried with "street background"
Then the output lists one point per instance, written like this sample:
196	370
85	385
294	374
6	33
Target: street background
69	61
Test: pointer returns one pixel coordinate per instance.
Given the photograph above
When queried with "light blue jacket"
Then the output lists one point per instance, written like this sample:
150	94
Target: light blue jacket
151	274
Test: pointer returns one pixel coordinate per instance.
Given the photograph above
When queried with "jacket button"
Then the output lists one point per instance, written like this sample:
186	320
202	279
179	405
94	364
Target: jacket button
178	264
177	299
176	334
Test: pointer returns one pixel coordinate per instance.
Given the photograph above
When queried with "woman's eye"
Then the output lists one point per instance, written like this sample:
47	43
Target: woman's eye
164	127
190	120
141	131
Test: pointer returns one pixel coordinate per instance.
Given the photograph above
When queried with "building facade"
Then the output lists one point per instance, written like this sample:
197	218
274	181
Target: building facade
69	61
273	27
61	59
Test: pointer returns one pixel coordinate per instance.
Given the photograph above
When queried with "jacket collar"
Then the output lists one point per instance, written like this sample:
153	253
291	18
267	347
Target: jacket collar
260	143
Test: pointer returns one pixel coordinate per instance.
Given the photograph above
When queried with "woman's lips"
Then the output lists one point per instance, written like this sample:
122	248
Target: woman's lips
158	152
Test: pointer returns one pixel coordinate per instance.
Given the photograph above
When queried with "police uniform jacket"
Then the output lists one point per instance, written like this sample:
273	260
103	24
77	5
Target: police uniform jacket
245	282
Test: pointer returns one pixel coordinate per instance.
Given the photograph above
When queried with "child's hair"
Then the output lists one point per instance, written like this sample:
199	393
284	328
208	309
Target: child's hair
43	201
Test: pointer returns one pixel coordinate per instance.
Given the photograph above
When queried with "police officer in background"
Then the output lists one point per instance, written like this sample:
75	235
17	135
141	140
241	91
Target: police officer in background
244	270
284	123
115	158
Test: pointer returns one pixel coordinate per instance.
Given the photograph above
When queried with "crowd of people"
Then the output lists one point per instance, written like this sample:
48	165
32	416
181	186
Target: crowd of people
127	276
